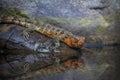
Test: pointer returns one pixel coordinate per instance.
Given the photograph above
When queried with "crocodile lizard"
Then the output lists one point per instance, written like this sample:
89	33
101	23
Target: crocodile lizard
46	29
42	61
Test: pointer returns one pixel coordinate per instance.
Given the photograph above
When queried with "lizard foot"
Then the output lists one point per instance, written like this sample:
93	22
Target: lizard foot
25	35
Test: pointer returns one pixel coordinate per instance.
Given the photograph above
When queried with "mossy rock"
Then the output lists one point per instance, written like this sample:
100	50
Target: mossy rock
12	12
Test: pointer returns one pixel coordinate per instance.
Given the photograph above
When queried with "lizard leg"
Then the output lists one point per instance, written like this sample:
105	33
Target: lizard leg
56	43
26	33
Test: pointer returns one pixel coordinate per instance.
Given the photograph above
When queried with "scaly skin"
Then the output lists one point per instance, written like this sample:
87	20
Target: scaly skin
46	29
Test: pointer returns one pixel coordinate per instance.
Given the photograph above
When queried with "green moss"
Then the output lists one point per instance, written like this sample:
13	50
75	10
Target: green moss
100	29
46	20
12	12
113	17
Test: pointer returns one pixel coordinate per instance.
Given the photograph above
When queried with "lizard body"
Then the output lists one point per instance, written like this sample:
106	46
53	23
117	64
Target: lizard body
46	29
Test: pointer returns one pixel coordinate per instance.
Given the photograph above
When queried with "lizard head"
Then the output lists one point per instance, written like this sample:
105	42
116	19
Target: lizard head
76	41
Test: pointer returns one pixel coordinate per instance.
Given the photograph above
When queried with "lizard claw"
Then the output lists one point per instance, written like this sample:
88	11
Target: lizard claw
25	35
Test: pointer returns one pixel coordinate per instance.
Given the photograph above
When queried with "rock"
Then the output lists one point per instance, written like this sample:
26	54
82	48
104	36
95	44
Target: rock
20	56
95	19
72	14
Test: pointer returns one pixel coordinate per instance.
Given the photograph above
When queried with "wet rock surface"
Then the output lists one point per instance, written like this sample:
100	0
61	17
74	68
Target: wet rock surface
17	53
97	20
